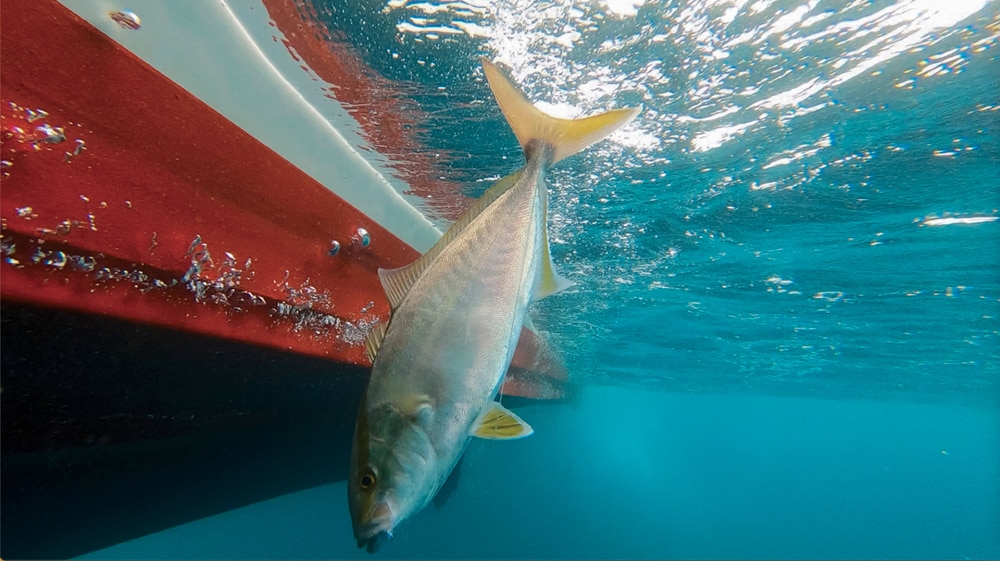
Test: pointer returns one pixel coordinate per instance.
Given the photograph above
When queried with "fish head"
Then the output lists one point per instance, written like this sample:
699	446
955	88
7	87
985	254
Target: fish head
393	473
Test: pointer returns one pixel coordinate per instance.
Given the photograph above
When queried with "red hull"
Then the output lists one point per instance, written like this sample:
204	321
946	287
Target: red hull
130	197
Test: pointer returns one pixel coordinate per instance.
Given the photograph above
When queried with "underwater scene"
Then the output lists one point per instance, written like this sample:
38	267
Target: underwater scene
759	298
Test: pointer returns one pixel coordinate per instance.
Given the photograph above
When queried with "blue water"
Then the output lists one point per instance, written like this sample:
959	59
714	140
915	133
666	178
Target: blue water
784	328
742	234
627	473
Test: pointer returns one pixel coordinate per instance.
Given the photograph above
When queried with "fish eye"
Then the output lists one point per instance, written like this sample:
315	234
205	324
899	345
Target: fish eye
367	480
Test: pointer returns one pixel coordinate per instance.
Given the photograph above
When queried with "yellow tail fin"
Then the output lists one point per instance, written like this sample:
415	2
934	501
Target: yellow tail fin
565	136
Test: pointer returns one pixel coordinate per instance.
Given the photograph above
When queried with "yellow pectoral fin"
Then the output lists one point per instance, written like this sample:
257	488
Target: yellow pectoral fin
499	423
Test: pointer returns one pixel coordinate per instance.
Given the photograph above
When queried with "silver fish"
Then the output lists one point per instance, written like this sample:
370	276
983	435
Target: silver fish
457	313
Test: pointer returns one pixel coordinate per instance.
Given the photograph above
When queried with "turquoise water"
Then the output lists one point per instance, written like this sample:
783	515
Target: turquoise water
783	336
769	222
626	473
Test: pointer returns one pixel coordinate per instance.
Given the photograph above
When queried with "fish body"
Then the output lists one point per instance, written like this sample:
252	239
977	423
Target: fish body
457	313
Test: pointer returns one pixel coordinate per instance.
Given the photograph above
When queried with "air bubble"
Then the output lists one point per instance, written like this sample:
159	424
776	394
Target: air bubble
34	115
49	134
57	259
80	147
829	295
362	237
194	244
126	18
334	248
85	264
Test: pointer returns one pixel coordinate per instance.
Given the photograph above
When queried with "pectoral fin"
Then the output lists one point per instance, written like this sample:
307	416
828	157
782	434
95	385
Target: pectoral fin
499	423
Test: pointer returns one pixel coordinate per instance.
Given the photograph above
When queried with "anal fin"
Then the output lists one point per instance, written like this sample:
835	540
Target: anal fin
551	281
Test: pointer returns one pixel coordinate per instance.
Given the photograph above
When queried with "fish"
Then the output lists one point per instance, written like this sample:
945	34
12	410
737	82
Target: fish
456	314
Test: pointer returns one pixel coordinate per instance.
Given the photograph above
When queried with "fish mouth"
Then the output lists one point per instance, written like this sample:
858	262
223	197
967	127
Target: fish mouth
377	530
373	542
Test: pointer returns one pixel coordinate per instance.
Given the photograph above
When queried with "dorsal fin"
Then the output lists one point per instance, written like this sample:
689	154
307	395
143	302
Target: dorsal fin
397	282
374	340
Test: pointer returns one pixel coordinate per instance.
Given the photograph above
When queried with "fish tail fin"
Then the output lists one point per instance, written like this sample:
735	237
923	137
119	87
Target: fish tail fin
565	136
